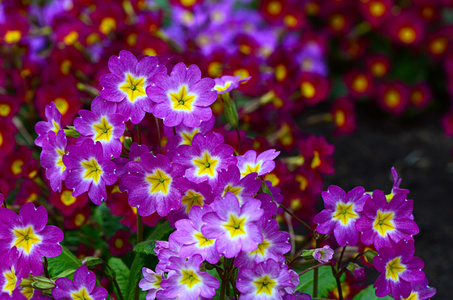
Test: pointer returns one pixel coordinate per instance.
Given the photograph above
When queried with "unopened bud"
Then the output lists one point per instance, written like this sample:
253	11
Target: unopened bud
370	254
42	283
91	261
358	271
127	142
231	112
71	132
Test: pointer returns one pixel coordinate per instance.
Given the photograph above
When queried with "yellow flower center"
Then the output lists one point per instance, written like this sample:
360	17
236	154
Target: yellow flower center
339	118
5	109
316	162
206	164
392	98
189	278
93	169
378	69
16	166
215	69
202	240
158	281
360	83
65	66
103	130
1	139
67	198
187	137
235	226
192	198
119	243
407	34
393	268
108	24
233	189
274	8
307	89
383	222
62	105
79	219
261	248
412	296
243	72
13	36
133	87
251	169
280	72
26	238
56	127
10	281
272	178
182	100
82	294
377	8
60	160
160	182
264	285
345	212
71	37
221	88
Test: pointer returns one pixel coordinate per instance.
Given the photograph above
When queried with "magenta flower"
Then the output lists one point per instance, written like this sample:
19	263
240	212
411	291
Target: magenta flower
183	97
11	274
396	184
187	282
420	290
205	158
233	226
89	170
323	254
83	287
227	83
398	268
192	241
261	164
53	150
53	123
341	214
151	282
267	281
155	184
29	234
230	181
103	125
127	83
385	224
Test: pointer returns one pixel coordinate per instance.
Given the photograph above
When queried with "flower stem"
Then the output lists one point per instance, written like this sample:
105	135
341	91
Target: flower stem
158	134
313	268
315	276
296	218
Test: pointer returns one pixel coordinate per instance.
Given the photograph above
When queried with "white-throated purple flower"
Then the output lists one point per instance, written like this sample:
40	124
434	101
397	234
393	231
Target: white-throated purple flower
230	181
53	123
89	170
53	150
233	226
101	124
323	254
261	164
83	287
183	97
187	282
341	214
127	83
155	184
227	83
188	234
28	233
385	224
420	290
398	268
274	245
268	280
11	274
151	282
205	158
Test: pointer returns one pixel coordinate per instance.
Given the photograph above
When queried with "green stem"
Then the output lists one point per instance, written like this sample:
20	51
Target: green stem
158	134
115	283
337	276
313	268
315	275
46	271
341	257
296	218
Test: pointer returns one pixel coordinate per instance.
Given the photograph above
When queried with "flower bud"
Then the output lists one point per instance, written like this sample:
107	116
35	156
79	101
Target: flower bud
42	283
91	261
358	271
231	112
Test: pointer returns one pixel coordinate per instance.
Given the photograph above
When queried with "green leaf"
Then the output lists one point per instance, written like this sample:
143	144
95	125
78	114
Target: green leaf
326	282
66	260
108	222
147	246
369	294
121	273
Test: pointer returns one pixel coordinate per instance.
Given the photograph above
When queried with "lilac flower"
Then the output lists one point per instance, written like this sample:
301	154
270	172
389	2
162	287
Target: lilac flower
274	245
192	240
323	254
420	290
230	181
261	164
297	296
164	251
183	97
205	158
11	274
396	185
227	83
53	123
233	226
89	170
341	213
135	153
29	234
267	281
53	150
398	268
151	282
103	125
83	287
155	184
127	83
187	282
384	224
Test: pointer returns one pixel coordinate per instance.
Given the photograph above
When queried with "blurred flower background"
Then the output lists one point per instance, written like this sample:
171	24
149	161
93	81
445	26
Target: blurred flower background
374	78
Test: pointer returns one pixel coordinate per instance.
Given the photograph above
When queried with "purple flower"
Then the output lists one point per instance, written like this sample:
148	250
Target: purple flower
323	254
341	213
127	83
230	181
89	170
421	290
227	83
151	282
396	185
261	164
103	125
233	226
11	274
135	153
29	234
83	287
267	281
205	158
183	97
398	268
359	273
187	282
384	224
297	296
53	123
155	184
53	150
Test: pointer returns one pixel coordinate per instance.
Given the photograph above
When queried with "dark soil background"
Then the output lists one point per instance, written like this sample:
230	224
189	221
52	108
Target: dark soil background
421	154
